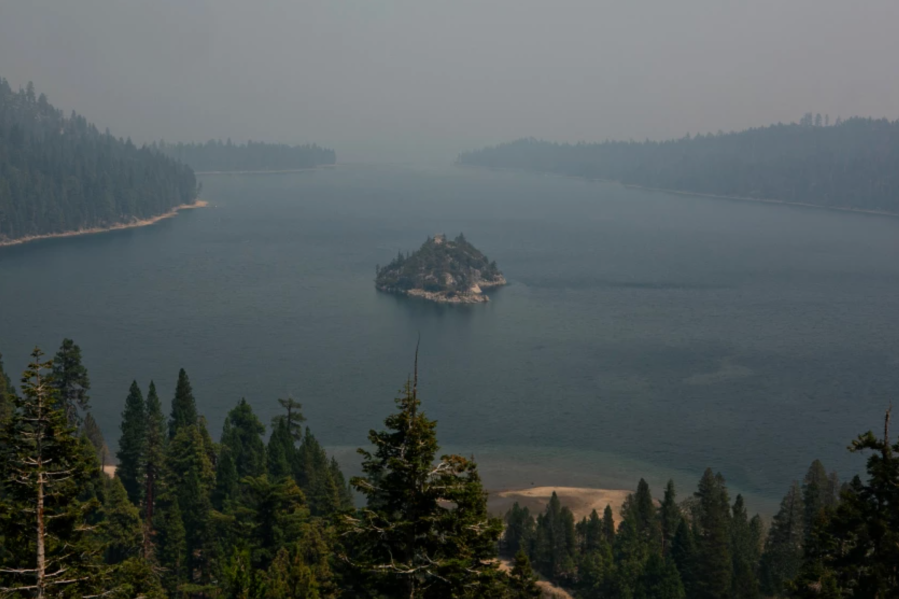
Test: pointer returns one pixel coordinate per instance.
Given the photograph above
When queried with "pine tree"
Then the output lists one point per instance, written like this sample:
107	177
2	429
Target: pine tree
71	381
745	550
190	478
519	532
669	517
280	452
854	548
523	581
48	546
121	527
817	494
406	542
608	525
132	445
782	558
154	455
715	564
95	436
344	491
184	407
242	451
686	557
242	438
268	517
294	418
171	539
659	580
6	396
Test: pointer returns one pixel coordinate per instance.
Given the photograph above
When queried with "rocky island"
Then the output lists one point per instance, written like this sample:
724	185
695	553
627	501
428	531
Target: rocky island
442	270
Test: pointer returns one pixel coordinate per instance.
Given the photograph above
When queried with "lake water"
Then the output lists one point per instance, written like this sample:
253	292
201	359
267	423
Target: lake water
641	333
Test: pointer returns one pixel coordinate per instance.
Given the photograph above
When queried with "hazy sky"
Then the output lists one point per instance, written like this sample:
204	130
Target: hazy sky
420	80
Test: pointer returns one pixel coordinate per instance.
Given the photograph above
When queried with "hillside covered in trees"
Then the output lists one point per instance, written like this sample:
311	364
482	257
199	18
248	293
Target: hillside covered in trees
266	515
61	174
441	270
850	164
218	156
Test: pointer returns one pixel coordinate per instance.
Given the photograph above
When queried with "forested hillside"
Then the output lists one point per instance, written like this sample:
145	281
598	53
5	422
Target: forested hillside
60	174
265	514
216	156
850	164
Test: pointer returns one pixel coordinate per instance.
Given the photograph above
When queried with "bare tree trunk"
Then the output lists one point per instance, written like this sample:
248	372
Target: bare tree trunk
41	555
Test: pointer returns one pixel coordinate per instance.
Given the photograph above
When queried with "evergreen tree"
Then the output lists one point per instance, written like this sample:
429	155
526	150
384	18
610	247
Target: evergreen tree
242	438
817	494
121	528
184	407
242	451
133	444
406	542
523	581
190	479
312	470
6	396
854	548
669	517
280	451
268	517
659	580
95	436
154	454
49	550
715	564
608	525
71	381
519	531
686	557
782	557
294	418
745	551
171	542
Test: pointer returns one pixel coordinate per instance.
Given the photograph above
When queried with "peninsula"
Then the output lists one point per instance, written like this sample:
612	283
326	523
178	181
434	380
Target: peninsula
442	270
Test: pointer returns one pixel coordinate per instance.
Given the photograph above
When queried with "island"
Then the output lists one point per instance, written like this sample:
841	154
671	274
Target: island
442	270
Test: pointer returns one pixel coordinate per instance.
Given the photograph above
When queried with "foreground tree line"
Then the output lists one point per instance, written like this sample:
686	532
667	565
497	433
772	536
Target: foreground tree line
851	164
61	174
254	517
218	156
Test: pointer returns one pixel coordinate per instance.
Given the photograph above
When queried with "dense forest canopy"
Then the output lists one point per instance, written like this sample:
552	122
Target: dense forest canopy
60	174
265	514
218	156
850	164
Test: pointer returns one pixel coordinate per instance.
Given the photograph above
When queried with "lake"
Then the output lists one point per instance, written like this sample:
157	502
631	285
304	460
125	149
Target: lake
642	333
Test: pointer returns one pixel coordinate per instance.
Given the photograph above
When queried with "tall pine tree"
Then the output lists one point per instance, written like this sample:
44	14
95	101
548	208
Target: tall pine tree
425	531
133	444
184	406
715	564
50	550
71	381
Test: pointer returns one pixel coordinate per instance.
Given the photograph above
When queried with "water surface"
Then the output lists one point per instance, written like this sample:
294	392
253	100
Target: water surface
640	333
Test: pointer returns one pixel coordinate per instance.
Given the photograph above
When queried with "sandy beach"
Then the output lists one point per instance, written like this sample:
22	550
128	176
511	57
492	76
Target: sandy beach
117	227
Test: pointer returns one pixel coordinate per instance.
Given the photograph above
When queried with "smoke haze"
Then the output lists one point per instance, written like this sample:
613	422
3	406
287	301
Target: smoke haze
413	80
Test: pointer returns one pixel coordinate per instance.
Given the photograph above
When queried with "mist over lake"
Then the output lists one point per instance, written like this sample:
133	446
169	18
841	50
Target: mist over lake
641	333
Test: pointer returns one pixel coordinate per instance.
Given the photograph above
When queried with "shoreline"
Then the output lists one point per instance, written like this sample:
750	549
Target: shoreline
97	230
691	193
272	172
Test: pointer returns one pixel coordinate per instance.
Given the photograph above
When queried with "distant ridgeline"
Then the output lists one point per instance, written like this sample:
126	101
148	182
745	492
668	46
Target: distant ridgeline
851	164
60	174
218	156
